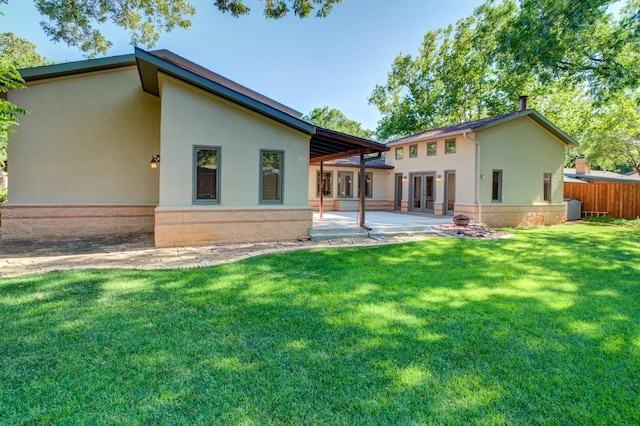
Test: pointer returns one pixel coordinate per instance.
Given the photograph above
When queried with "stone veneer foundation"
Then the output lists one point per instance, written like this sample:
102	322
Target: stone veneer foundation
192	227
25	222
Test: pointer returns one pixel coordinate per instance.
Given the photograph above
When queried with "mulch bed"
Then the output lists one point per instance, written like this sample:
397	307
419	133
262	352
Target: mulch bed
472	231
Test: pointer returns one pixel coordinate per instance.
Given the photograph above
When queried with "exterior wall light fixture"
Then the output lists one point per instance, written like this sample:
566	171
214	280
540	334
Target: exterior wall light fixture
155	161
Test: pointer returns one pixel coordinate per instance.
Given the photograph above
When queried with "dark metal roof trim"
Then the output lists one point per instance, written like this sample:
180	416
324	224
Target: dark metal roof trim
149	64
77	67
329	145
485	123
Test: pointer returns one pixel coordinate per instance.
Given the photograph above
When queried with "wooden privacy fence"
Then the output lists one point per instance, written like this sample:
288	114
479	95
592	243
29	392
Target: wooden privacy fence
617	199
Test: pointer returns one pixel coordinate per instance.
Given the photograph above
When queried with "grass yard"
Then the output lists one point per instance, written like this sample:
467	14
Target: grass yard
542	328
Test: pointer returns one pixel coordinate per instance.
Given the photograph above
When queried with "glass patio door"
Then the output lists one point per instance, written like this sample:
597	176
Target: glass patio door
423	192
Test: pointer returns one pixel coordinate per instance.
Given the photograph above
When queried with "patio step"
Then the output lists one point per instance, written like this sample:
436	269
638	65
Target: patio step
330	234
401	230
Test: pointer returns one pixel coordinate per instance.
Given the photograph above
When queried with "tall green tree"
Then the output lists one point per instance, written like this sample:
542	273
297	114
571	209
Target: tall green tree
334	119
9	79
78	22
15	53
20	51
612	139
578	40
452	79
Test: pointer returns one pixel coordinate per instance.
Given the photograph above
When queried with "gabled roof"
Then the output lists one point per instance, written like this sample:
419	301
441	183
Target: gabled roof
485	123
150	63
325	144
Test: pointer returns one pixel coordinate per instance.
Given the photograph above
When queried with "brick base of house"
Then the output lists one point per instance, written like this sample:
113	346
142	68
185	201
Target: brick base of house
26	222
515	215
194	227
350	205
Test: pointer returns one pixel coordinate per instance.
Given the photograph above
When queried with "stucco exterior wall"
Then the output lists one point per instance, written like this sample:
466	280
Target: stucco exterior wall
462	162
191	117
381	198
87	140
79	164
524	151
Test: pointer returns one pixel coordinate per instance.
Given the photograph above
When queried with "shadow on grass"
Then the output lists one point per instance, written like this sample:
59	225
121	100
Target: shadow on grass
540	328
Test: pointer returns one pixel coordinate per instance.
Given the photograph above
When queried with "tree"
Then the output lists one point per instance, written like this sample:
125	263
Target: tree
452	79
612	139
15	52
9	79
76	22
21	52
334	119
579	40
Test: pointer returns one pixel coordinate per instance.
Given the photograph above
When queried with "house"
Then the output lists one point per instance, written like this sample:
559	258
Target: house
505	170
583	174
230	164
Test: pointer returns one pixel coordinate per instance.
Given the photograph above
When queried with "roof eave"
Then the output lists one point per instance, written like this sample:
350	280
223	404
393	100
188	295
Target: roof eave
78	67
422	137
149	65
538	118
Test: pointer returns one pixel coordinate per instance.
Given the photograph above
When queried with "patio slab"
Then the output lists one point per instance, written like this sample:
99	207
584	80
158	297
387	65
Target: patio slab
346	224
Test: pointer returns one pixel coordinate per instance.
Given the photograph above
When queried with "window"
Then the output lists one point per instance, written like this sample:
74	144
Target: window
206	182
432	148
496	186
271	168
345	184
368	182
327	184
399	153
547	187
413	151
450	146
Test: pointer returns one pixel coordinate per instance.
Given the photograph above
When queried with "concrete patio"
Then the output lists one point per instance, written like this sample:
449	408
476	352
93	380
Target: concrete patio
346	224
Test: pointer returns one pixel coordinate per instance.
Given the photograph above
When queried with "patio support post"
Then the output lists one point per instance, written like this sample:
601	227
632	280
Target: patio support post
362	184
321	185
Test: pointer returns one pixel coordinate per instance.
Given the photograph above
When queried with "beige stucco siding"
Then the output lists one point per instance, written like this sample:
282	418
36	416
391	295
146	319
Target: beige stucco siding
87	140
462	162
192	117
524	151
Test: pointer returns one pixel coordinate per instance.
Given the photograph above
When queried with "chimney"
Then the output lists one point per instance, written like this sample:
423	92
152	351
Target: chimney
581	166
523	102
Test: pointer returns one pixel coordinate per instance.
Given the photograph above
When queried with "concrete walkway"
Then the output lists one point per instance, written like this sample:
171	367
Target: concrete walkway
19	257
337	229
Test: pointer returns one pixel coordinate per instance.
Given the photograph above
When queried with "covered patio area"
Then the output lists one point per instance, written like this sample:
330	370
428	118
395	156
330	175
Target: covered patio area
346	224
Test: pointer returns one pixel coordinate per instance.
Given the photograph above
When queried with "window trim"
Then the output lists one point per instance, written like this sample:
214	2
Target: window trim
194	182
546	192
338	195
318	181
261	175
497	199
435	151
399	152
365	184
411	154
455	146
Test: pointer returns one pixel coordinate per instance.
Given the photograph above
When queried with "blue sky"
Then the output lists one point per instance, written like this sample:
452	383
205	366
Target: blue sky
303	64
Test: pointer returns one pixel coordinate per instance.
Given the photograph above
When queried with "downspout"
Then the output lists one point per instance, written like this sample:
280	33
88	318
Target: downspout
363	179
477	188
321	207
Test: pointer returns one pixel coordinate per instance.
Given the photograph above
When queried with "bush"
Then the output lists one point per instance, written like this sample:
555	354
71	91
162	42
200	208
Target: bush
3	195
627	223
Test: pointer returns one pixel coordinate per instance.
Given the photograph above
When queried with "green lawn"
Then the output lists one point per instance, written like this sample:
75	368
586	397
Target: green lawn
542	328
